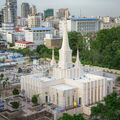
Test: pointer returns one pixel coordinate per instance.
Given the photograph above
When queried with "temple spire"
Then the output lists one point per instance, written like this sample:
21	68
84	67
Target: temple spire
53	61
77	63
65	43
65	53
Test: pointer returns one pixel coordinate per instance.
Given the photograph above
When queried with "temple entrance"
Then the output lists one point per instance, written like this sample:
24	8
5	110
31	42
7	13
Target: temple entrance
80	101
46	99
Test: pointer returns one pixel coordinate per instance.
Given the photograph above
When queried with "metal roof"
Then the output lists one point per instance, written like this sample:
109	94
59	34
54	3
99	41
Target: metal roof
84	19
41	28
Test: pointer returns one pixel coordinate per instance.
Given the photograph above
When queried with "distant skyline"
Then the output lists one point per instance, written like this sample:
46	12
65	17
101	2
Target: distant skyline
76	7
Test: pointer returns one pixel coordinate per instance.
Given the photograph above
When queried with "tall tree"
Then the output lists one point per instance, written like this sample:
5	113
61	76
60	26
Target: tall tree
109	109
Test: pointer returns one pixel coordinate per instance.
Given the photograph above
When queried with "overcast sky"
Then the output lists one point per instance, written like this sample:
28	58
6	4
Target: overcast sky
88	7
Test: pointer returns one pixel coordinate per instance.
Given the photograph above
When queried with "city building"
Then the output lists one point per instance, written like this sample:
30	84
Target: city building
48	13
109	25
110	22
22	22
25	10
23	44
52	42
41	15
117	20
83	25
34	21
37	35
3	44
65	84
10	11
61	13
33	10
9	14
107	19
19	34
11	58
10	37
1	18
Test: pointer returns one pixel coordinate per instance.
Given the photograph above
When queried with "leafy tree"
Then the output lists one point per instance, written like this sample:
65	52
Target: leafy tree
11	44
15	105
78	117
1	76
19	70
26	51
107	47
109	109
43	51
15	91
35	99
76	41
6	83
118	79
66	117
69	117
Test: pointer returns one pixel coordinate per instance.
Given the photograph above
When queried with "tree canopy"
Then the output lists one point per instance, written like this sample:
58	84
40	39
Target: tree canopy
70	117
109	109
35	99
15	104
106	48
15	91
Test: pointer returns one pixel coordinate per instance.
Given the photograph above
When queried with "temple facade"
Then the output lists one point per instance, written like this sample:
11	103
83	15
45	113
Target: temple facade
66	83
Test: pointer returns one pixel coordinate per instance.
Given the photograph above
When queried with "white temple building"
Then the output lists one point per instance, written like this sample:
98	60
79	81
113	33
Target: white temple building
66	83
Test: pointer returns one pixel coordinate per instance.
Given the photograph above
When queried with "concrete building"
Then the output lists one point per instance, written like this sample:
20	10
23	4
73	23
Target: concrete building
19	34
10	11
10	37
3	44
23	44
25	10
107	19
37	35
10	14
8	27
65	84
22	22
34	21
1	18
33	10
117	20
61	13
83	25
109	25
52	42
48	13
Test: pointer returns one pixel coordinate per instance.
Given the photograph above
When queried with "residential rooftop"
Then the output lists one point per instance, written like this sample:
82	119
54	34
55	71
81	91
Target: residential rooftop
41	29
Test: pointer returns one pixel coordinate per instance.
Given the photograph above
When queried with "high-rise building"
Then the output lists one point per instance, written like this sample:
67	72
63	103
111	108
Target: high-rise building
48	13
34	21
10	11
33	10
83	25
61	12
25	10
10	15
1	18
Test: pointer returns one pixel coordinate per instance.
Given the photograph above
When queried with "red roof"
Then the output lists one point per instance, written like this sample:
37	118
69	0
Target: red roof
17	29
24	42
